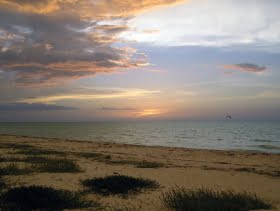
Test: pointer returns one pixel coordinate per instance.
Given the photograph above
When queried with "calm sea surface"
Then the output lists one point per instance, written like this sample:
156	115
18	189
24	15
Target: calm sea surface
261	136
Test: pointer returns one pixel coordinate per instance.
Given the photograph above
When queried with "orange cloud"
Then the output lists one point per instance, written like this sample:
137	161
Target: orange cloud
102	9
40	7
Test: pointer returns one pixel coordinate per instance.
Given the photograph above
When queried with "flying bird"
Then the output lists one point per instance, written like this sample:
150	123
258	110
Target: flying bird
228	117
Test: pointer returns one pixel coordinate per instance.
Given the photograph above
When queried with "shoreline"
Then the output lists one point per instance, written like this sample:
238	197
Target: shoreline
139	145
256	172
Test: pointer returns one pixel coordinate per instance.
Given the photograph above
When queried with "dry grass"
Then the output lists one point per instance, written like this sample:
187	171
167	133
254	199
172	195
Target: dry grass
42	198
118	184
202	199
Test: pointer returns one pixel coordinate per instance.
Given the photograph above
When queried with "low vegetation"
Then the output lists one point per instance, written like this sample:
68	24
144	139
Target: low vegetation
260	172
95	156
35	151
14	169
136	163
26	149
53	165
148	164
10	159
246	169
42	198
2	184
202	199
40	164
121	207
275	173
90	155
118	184
122	162
15	146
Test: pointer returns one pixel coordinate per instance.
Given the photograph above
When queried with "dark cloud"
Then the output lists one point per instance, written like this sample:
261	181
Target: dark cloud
247	67
47	41
42	49
32	107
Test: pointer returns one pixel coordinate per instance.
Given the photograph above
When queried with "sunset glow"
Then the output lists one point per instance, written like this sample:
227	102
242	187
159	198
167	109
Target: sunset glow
119	60
149	112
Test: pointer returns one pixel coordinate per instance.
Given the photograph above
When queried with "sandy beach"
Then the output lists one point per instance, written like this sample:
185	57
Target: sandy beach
255	172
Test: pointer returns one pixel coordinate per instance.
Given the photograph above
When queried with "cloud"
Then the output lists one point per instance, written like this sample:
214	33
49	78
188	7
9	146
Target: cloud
212	23
117	109
151	31
87	9
40	7
110	94
245	67
269	94
49	41
32	107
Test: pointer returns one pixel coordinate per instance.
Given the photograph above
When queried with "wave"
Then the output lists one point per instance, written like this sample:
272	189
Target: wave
263	140
269	147
187	137
126	134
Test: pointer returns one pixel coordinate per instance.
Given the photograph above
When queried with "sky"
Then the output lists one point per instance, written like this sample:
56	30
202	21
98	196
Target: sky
107	60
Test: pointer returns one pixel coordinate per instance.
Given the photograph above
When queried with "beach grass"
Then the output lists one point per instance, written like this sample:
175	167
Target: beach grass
26	149
202	199
118	184
10	159
14	169
122	162
40	164
3	184
42	198
246	169
15	146
94	156
36	151
148	164
277	173
89	155
53	165
136	163
121	207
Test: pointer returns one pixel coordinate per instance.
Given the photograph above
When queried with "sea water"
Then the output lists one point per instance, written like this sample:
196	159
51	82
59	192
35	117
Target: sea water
222	135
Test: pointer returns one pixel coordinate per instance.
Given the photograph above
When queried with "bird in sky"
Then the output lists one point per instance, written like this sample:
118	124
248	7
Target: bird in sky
228	117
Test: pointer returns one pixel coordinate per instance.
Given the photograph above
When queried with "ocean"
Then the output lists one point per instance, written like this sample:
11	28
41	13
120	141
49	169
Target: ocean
222	135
